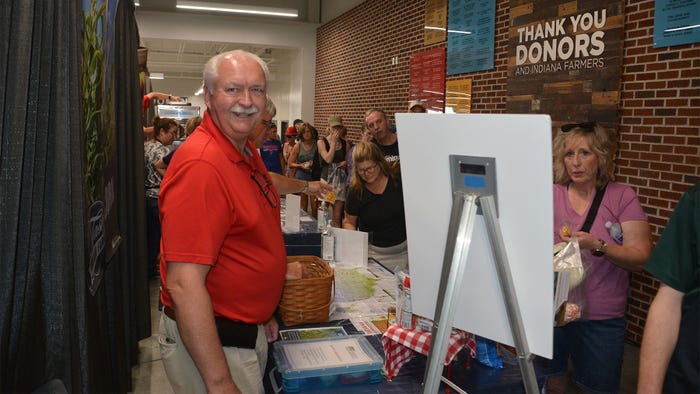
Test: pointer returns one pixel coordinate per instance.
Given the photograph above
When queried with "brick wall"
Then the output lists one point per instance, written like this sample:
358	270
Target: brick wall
659	133
353	60
659	110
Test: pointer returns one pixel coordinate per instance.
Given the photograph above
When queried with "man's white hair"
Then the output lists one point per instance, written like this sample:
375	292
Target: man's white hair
211	69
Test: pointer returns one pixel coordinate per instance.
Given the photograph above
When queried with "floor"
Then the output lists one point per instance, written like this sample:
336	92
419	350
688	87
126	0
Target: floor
149	376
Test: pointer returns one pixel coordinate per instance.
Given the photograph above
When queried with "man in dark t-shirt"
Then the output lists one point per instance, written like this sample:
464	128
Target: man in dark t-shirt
670	353
388	142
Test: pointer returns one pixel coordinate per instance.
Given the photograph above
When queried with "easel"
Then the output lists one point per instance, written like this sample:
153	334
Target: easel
461	227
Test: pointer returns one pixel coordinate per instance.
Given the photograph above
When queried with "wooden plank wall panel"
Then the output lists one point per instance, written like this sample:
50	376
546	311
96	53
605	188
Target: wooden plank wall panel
568	88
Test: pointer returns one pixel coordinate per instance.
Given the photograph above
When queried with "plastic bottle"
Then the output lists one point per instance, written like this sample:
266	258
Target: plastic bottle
322	217
328	245
615	231
407	310
327	237
404	309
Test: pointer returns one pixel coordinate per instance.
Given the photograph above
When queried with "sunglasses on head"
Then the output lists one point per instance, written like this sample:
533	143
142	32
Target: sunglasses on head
586	126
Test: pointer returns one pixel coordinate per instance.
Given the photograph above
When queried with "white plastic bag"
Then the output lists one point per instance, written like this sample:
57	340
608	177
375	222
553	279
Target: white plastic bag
569	273
336	178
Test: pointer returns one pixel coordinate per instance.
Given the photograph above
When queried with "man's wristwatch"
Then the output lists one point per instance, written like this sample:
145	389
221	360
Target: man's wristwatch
601	250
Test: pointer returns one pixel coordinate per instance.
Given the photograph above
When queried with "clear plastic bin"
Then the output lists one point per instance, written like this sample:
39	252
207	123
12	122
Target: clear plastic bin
327	363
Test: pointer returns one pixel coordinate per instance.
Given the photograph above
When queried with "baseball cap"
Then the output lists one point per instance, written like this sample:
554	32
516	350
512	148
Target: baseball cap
291	131
334	121
416	103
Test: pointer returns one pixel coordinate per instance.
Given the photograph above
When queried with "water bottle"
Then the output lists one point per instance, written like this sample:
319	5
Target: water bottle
328	246
327	237
615	231
322	217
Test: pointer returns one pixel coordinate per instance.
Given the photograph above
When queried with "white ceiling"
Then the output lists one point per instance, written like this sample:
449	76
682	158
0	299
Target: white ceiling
184	60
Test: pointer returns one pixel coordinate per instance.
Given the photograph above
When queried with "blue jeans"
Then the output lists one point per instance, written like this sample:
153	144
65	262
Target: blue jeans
303	175
595	348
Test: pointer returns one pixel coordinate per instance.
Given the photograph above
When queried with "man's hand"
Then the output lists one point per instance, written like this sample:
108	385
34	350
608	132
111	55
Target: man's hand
319	189
271	329
333	135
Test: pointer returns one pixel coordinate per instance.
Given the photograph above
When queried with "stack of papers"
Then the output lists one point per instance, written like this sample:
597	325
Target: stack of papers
312	333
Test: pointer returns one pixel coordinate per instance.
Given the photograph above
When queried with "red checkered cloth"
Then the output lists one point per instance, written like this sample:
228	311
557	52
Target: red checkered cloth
401	344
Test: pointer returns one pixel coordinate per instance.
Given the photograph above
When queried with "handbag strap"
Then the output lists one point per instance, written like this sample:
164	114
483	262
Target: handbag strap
594	209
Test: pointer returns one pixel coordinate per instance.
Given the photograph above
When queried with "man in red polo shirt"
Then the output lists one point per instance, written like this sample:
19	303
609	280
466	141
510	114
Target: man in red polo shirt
223	256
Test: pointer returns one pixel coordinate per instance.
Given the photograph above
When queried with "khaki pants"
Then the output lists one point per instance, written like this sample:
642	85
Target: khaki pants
247	366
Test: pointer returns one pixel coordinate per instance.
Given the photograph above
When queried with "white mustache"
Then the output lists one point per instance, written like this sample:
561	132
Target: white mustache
240	110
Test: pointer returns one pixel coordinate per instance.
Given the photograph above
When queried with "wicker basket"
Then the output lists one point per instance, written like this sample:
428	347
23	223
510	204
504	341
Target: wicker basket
307	300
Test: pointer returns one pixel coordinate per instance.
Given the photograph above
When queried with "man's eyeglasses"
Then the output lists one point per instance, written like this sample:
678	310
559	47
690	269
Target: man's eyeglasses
366	170
586	126
264	185
238	91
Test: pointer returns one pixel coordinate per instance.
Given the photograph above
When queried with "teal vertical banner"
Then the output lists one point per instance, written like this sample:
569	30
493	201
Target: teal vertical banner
471	30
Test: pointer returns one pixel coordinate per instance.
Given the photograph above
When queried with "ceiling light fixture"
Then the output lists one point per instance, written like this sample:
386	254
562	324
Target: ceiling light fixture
156	76
237	9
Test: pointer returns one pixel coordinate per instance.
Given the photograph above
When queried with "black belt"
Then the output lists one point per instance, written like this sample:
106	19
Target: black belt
169	312
231	333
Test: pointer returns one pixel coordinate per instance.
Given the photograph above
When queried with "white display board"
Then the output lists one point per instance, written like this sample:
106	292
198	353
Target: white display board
522	148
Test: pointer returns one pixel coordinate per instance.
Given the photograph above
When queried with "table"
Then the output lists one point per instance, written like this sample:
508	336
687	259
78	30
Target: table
401	345
404	350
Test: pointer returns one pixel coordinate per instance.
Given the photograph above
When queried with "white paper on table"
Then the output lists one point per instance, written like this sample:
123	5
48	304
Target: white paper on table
325	354
365	324
292	212
350	247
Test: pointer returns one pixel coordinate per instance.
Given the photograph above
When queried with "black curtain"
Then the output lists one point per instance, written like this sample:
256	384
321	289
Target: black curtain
128	292
51	327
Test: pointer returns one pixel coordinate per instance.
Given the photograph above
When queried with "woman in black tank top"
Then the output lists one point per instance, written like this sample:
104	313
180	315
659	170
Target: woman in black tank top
332	150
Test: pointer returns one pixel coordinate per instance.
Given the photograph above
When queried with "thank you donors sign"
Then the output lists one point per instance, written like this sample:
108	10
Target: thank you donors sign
564	60
547	47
